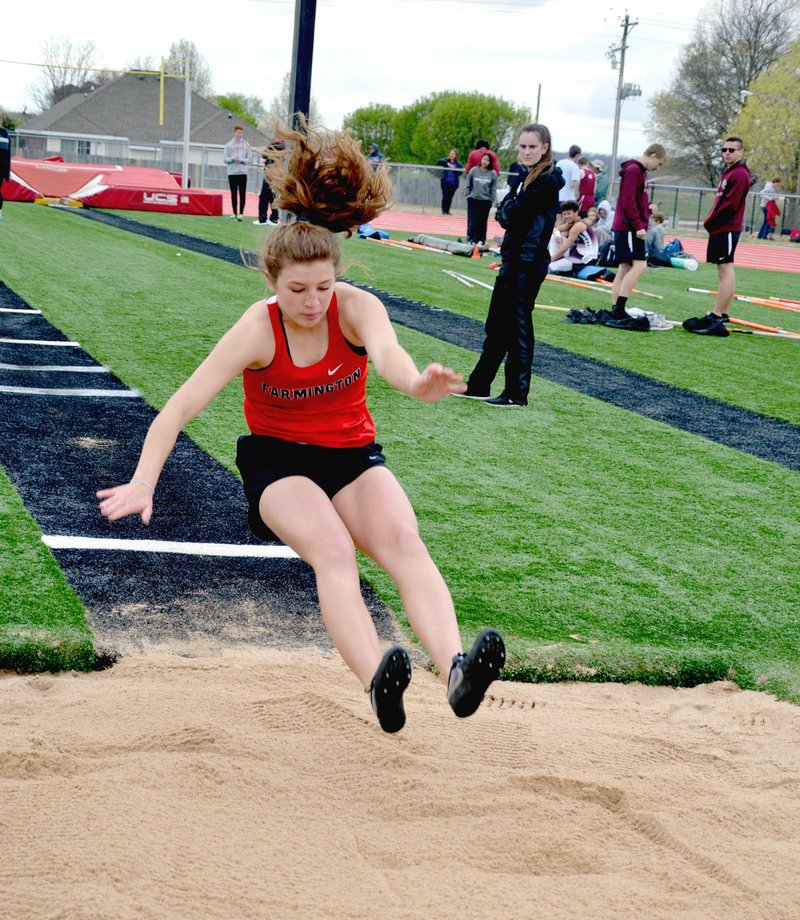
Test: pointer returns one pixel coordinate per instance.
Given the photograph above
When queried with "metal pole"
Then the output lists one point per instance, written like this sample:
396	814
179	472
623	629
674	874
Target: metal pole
538	102
187	121
305	13
612	171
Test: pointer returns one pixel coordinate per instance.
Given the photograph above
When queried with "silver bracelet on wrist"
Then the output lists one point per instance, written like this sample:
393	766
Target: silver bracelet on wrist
143	482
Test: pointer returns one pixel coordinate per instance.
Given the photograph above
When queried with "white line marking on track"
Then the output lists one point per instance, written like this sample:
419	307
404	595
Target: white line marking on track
45	391
39	342
20	310
97	369
63	541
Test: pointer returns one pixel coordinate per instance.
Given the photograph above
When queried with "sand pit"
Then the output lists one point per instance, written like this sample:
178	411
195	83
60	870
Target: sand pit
261	786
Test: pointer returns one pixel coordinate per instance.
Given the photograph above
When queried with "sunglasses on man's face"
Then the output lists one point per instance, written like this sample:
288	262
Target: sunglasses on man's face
730	149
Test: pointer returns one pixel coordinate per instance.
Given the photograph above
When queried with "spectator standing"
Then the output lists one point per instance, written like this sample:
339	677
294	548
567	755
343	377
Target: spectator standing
238	156
770	192
631	220
374	155
5	161
313	475
572	175
481	186
586	186
601	183
773	213
451	174
266	198
724	225
474	158
528	215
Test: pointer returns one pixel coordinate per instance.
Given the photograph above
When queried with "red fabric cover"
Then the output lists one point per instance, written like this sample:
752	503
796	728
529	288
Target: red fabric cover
135	188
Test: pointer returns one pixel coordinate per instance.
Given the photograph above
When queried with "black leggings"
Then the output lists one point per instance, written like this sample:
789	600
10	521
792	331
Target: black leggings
509	332
238	186
477	219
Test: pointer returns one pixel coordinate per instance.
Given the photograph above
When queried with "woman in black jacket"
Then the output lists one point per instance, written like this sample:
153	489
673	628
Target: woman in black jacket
527	214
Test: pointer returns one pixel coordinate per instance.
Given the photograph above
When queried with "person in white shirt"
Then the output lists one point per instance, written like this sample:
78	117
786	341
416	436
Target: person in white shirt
572	175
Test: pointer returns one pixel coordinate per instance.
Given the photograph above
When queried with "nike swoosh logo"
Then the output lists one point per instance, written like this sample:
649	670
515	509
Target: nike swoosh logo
332	372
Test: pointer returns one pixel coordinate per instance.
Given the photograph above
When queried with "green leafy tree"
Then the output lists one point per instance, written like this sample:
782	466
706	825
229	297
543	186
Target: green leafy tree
460	119
731	47
373	124
406	124
246	108
432	125
769	122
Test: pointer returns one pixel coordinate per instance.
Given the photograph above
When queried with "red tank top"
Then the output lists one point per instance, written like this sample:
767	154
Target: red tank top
324	404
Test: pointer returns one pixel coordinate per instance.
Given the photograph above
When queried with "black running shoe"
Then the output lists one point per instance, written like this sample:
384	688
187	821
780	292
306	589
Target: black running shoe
699	323
471	674
505	402
387	687
471	394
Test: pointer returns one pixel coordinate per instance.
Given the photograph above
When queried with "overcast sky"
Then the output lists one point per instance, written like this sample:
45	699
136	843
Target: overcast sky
388	51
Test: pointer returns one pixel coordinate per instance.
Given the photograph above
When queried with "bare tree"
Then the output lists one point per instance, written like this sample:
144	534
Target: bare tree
278	110
735	42
184	51
67	69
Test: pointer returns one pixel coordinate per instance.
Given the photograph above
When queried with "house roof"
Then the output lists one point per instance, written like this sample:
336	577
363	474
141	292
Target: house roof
129	107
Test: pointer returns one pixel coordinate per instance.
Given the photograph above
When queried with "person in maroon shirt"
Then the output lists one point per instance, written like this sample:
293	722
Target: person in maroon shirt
724	224
631	218
474	158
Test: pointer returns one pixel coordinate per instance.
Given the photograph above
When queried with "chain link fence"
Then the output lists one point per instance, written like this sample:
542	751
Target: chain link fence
417	187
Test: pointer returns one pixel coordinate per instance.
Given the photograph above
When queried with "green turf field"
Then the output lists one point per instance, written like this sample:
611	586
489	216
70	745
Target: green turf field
605	545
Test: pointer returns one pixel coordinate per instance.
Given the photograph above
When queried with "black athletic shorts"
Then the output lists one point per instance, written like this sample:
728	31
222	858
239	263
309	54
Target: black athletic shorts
263	460
628	247
721	247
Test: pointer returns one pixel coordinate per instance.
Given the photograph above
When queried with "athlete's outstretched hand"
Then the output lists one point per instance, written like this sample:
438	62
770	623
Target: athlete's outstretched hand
436	382
131	498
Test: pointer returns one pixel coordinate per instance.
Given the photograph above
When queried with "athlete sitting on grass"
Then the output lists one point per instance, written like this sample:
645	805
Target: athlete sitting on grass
313	473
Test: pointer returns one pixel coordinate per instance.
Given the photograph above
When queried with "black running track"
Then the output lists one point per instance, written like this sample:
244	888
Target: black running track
58	449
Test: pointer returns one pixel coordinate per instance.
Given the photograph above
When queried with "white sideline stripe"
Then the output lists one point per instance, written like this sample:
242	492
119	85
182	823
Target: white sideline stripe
45	391
60	541
39	342
97	369
19	310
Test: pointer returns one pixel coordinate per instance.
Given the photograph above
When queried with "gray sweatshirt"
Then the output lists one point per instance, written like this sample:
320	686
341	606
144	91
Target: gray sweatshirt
243	151
481	184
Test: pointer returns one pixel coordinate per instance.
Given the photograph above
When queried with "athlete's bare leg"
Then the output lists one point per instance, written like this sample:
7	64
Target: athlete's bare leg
627	276
383	525
301	514
726	287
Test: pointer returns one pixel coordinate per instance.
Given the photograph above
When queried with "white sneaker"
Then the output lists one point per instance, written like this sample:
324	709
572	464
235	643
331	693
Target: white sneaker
260	223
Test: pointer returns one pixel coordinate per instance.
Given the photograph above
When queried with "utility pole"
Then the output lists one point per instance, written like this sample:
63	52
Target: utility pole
624	90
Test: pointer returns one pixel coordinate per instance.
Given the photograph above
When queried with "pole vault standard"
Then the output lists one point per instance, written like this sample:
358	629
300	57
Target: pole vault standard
305	14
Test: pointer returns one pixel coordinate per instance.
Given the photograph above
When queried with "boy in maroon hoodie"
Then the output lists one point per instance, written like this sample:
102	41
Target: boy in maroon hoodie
724	224
631	220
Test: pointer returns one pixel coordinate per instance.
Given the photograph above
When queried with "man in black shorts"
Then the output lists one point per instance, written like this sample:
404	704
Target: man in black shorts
631	220
724	224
